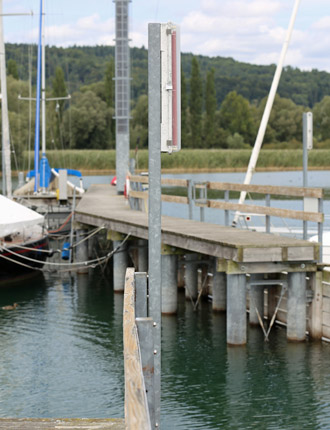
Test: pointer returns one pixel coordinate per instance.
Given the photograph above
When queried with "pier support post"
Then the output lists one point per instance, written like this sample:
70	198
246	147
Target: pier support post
169	279
81	250
236	309
296	316
219	289
315	309
143	255
256	300
120	263
191	279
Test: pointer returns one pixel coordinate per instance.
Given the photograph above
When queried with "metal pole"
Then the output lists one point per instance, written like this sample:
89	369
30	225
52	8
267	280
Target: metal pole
6	165
154	74
307	144
268	108
122	89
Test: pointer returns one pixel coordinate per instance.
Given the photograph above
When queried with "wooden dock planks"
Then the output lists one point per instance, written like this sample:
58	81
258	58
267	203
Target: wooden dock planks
61	424
101	206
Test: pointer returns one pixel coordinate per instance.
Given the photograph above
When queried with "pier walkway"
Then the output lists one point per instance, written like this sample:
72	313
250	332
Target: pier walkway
243	260
101	206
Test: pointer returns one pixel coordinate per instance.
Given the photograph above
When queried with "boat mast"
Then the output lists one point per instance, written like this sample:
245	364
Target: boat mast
267	111
37	124
6	165
43	84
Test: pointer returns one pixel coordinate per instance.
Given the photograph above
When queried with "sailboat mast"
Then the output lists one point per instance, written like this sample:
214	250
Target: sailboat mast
43	84
37	123
268	108
6	164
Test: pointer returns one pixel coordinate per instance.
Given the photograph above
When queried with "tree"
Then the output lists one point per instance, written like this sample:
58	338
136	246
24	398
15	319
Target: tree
184	108
210	108
321	113
285	121
12	68
109	87
196	104
89	122
139	123
59	89
109	91
236	116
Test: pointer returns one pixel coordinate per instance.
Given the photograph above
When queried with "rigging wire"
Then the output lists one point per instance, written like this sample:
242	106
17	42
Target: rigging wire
71	266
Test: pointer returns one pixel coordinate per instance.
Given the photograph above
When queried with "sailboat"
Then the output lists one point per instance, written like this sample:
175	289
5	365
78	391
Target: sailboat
23	241
24	244
47	189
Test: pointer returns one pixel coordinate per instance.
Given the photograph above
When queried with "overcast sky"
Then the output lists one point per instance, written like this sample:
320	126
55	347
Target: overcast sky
252	31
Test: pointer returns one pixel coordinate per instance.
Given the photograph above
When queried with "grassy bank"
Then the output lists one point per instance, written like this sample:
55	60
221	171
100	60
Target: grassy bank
191	160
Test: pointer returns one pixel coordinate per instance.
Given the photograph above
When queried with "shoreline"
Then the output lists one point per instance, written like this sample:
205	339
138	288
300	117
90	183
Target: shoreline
99	172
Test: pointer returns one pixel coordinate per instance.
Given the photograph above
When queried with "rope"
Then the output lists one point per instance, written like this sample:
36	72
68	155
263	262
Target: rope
63	225
90	263
89	236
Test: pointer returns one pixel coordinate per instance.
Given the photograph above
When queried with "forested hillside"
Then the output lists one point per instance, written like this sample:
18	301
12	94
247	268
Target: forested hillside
222	99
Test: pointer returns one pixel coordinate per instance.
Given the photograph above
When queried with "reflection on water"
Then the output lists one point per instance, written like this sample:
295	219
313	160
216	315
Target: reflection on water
61	356
207	385
61	349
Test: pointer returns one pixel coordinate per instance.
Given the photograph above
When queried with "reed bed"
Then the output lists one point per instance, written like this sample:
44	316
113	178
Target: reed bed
191	159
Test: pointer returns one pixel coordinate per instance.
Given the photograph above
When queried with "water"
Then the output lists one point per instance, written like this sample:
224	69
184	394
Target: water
61	356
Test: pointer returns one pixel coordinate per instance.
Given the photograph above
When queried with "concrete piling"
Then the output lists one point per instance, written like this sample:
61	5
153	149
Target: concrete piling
169	284
296	315
191	280
81	250
120	263
219	290
236	309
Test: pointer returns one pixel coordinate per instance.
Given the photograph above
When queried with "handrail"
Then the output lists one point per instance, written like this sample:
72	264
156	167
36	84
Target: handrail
227	186
268	189
314	193
136	403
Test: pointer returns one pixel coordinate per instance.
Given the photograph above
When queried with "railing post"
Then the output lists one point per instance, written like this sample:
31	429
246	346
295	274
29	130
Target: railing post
226	210
190	198
320	230
268	216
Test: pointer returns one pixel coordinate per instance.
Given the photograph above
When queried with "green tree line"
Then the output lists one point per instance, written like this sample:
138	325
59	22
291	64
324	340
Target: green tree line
222	100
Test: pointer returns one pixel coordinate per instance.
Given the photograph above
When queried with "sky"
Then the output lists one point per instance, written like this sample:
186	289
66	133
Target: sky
251	31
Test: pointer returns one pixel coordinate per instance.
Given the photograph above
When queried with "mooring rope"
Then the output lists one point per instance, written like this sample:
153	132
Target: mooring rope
87	264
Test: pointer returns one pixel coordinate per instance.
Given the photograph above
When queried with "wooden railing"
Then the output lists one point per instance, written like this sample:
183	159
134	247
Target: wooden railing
137	415
313	194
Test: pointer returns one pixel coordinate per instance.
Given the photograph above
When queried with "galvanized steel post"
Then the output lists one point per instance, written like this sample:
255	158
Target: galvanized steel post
154	79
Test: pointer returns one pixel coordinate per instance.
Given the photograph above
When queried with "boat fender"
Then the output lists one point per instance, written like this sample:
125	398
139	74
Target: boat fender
127	187
66	251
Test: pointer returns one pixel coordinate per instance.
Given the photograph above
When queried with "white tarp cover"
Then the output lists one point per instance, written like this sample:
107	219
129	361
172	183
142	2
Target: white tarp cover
14	216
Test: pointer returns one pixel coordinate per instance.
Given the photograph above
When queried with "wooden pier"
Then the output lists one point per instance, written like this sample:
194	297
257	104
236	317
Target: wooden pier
239	255
61	424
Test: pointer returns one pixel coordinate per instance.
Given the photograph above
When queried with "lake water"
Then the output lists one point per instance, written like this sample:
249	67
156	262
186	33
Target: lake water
61	356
